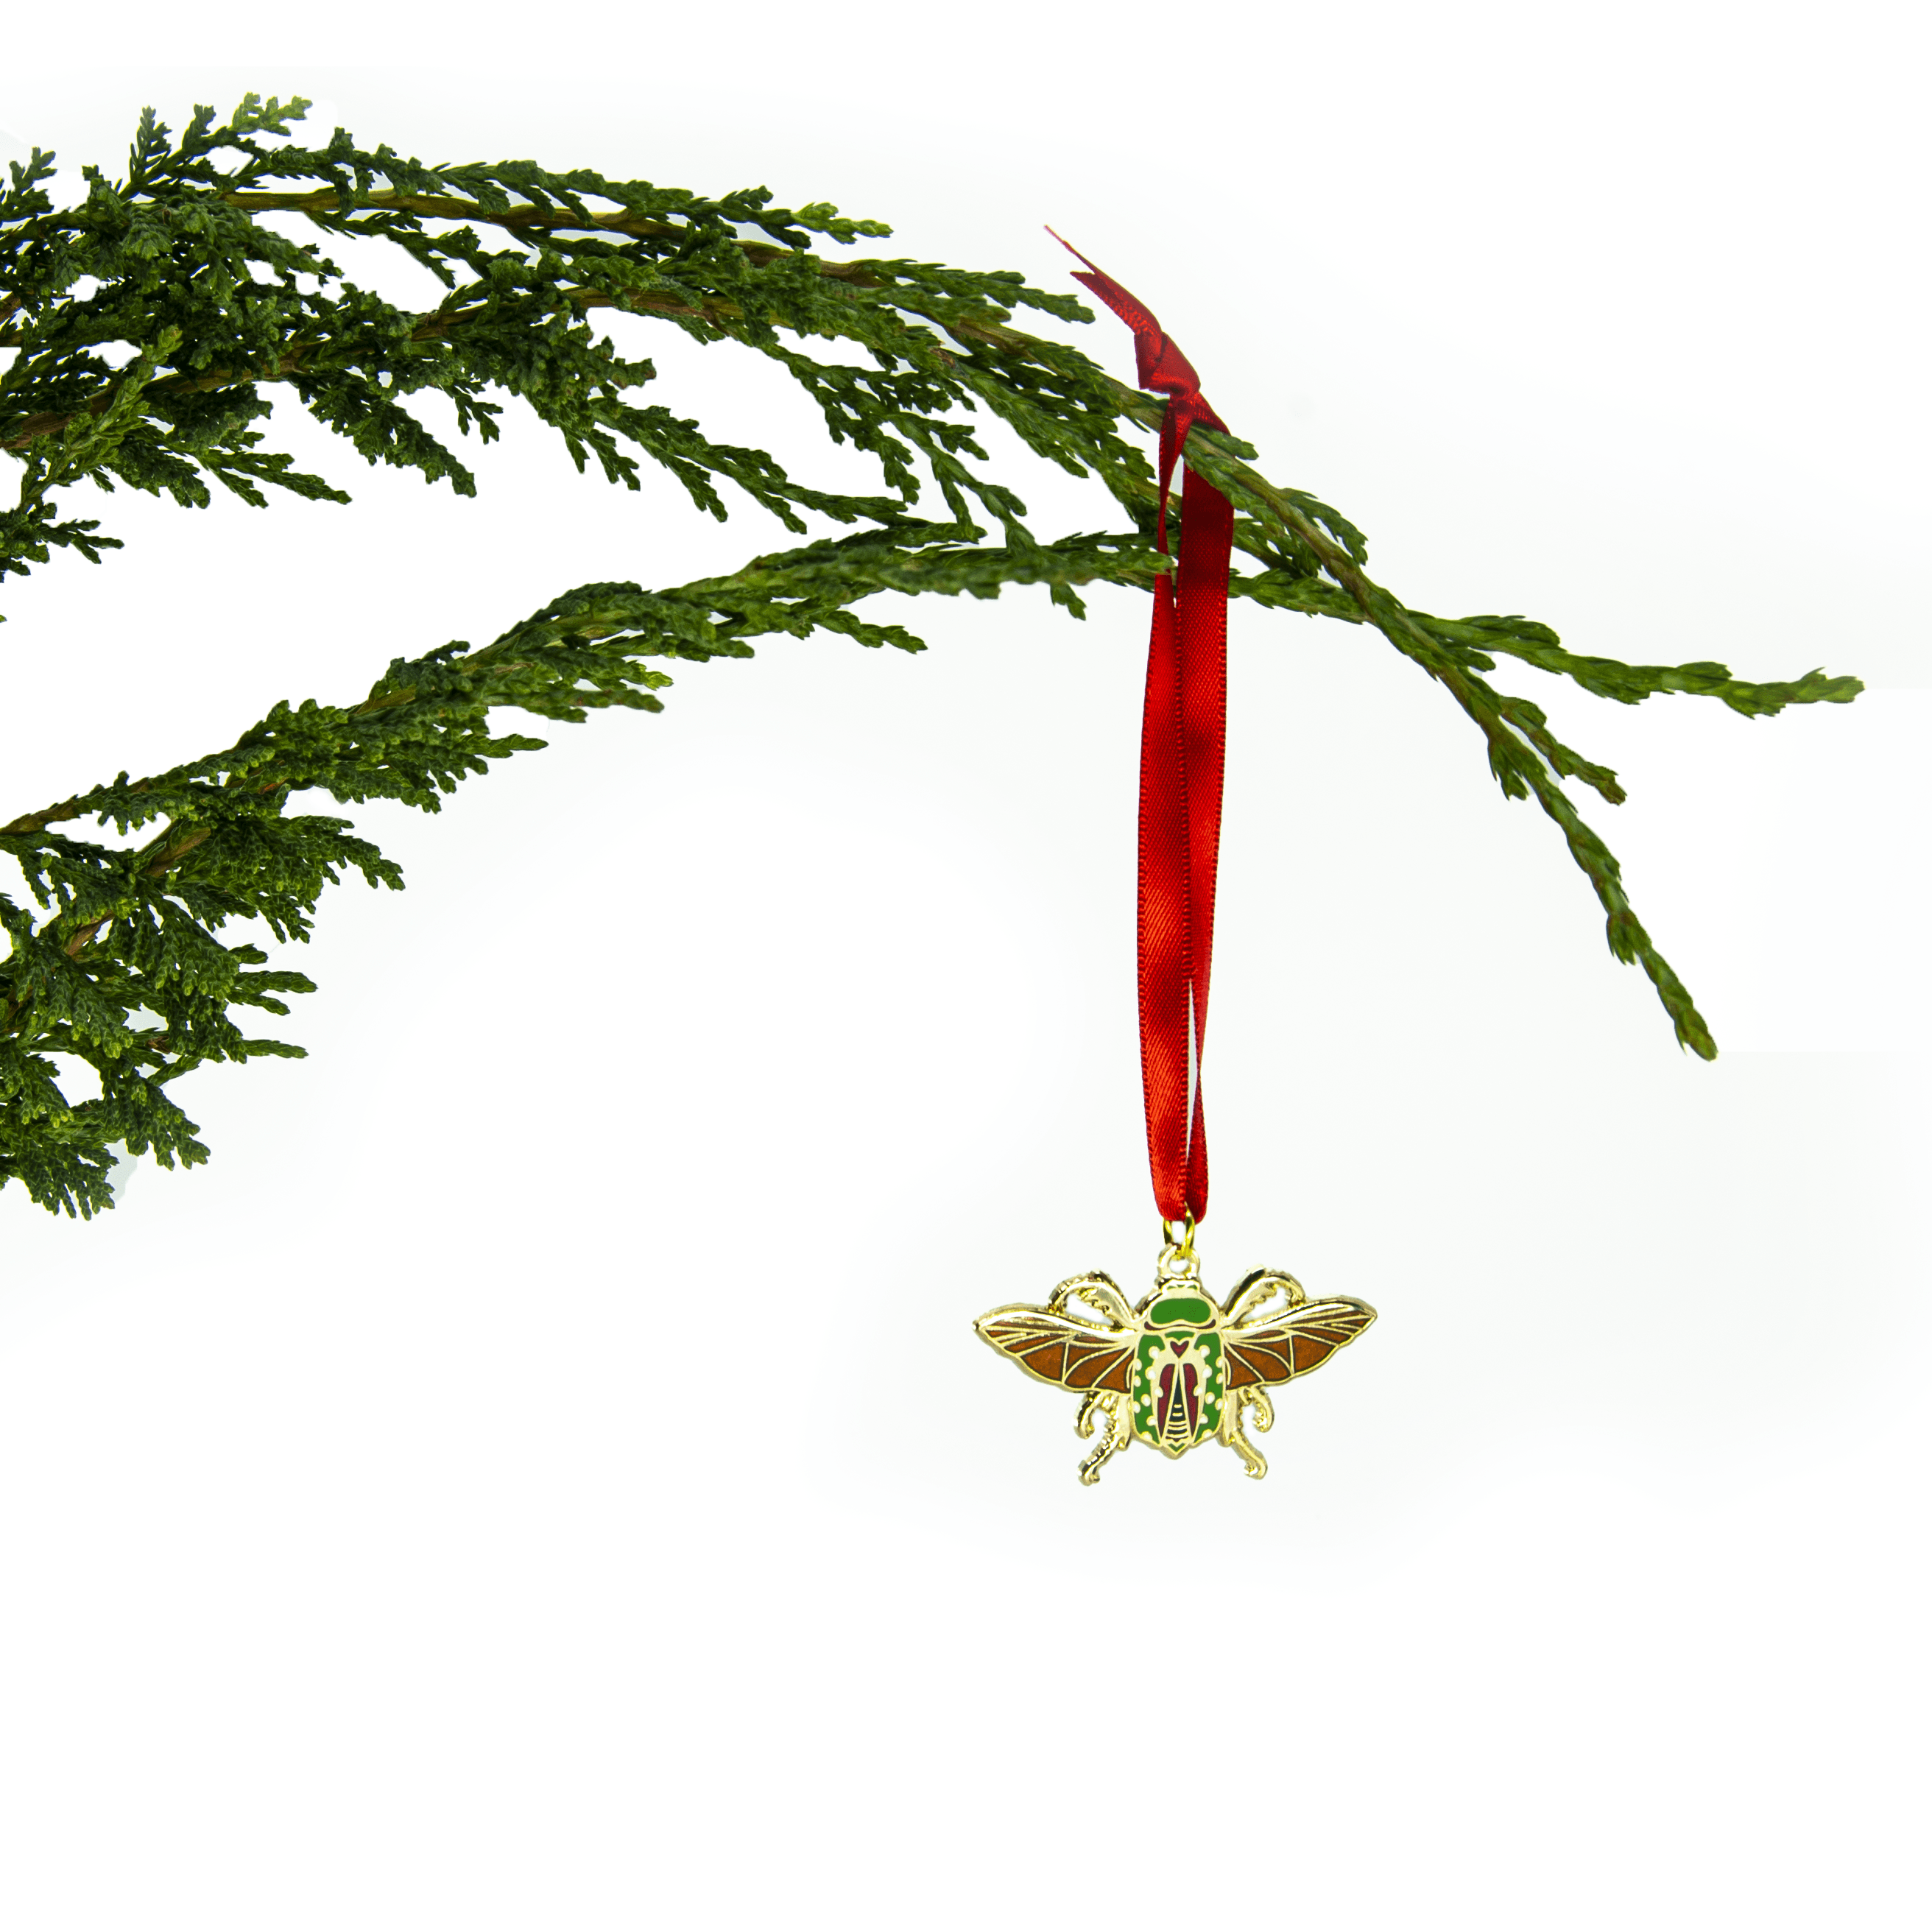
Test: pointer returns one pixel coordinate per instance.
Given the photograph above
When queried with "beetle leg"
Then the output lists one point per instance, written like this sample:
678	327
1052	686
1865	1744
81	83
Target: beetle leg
1100	1295
1235	1437
1107	1411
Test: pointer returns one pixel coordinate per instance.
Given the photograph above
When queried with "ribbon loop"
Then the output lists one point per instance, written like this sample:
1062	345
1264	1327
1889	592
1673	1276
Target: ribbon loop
1184	747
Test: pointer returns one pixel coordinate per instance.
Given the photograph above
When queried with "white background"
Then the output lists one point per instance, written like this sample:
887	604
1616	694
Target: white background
541	1474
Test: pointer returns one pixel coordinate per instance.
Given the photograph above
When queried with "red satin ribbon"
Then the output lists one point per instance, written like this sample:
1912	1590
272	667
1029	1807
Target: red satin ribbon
1184	747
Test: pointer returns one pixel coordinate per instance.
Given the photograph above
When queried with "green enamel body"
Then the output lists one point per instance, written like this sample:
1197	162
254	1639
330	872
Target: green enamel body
1180	1376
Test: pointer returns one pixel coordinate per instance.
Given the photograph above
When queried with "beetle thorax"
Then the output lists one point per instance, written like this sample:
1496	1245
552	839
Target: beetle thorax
1179	1376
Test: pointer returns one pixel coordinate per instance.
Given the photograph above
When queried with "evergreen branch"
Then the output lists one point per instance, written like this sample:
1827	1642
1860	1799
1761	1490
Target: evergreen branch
328	205
143	323
1630	684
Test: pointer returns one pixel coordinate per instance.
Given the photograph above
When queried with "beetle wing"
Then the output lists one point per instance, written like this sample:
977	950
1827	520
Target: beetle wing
1056	1348
1279	1349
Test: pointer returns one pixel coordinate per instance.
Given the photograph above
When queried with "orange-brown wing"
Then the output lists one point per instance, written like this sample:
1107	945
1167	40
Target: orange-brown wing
1056	1348
1279	1349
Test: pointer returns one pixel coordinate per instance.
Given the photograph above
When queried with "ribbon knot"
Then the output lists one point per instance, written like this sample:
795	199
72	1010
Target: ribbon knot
1158	365
1184	749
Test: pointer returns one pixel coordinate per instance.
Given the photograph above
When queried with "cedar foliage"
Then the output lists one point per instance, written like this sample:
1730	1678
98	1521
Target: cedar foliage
141	326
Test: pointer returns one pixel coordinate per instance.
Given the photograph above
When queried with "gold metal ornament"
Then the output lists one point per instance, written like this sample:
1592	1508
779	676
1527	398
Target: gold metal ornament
1176	1370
